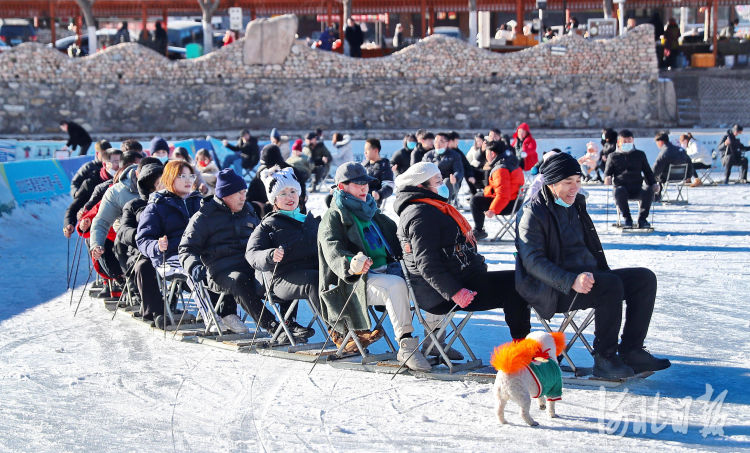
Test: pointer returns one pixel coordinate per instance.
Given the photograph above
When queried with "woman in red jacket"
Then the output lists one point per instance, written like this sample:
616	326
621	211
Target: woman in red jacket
525	147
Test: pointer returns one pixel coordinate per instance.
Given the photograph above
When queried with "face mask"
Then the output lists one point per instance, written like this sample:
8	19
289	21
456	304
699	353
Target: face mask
163	159
440	150
111	172
627	147
443	191
559	201
411	145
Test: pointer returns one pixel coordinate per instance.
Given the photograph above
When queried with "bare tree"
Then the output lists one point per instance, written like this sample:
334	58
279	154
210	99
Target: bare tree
208	8
608	7
87	8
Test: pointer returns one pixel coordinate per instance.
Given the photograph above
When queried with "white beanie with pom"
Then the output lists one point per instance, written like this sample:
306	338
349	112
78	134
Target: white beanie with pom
276	180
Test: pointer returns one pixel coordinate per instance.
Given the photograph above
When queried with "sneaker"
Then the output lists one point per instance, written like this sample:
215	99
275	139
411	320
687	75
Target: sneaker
300	331
479	234
611	367
643	224
628	223
235	324
408	347
104	293
641	360
215	329
450	352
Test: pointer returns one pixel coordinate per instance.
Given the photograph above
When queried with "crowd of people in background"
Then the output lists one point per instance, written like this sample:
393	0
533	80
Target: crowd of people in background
148	213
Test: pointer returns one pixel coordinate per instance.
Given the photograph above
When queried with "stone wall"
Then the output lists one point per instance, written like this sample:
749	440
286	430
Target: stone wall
439	82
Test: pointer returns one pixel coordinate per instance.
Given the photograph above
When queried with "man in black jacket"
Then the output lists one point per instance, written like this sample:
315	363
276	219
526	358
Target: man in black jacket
380	169
560	266
84	192
627	168
426	144
319	157
91	168
669	154
731	150
246	150
448	161
213	246
77	136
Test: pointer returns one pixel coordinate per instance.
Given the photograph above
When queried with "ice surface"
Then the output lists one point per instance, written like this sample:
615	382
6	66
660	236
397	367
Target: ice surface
91	384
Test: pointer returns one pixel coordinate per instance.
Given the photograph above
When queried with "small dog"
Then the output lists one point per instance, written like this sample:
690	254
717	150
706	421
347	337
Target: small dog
528	369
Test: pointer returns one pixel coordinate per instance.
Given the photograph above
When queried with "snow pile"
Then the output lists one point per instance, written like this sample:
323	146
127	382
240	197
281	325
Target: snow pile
88	383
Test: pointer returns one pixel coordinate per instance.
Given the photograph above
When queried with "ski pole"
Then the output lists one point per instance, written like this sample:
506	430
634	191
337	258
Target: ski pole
84	291
440	324
75	255
164	290
67	266
268	296
328	337
75	277
127	275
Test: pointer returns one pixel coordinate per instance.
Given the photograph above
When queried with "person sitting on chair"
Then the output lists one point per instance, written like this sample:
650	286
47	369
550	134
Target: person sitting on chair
698	154
349	282
560	266
245	150
499	197
284	245
669	154
448	161
626	169
379	168
165	218
319	157
441	256
213	249
731	150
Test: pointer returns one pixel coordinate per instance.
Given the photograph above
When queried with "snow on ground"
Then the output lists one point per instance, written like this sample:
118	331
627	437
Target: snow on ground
91	384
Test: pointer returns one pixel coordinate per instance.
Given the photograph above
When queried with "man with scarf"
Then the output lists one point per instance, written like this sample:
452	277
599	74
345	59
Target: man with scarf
560	266
499	196
441	256
357	253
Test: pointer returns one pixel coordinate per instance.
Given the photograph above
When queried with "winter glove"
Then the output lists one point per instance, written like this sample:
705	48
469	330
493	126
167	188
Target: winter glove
357	264
463	297
199	273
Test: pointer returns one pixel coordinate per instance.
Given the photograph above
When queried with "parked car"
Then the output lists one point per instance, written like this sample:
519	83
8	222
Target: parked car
453	32
103	38
15	31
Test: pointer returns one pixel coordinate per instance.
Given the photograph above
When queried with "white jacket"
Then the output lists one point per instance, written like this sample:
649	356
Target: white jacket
698	153
342	151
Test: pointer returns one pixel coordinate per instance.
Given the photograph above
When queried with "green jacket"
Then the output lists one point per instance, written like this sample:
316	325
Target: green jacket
338	242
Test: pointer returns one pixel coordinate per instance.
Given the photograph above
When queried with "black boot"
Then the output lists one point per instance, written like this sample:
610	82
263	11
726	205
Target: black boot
611	367
159	321
641	360
299	331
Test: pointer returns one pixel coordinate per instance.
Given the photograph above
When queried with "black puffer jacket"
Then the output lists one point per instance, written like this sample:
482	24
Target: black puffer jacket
436	269
540	278
97	195
131	212
248	150
402	160
629	169
88	170
217	237
732	153
449	163
418	154
83	195
300	242
383	174
671	155
165	215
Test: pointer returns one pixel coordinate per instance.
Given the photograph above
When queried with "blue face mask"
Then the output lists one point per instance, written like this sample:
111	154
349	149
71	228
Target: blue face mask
411	145
440	150
559	201
627	147
443	191
163	159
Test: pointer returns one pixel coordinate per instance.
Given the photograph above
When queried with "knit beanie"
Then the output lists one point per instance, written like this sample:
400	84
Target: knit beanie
558	167
297	146
228	183
276	180
159	144
417	174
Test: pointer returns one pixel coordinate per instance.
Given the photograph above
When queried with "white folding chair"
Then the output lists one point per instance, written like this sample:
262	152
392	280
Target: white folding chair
434	333
508	222
677	177
578	332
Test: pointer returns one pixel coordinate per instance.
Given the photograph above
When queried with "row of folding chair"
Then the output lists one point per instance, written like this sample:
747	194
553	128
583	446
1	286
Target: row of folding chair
677	179
578	333
508	222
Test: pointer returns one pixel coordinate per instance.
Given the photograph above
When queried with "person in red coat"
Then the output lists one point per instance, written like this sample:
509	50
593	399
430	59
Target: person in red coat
525	147
504	180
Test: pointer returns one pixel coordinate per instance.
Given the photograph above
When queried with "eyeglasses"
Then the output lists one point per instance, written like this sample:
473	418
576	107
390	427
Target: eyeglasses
187	177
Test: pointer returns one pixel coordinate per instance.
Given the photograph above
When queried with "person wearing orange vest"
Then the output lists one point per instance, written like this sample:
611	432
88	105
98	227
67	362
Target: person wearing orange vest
504	180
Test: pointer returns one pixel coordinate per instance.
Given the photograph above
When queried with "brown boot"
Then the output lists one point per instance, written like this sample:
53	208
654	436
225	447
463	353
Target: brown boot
338	339
696	182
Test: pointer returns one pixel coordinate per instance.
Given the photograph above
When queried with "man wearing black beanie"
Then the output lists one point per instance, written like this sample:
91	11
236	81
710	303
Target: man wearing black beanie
561	267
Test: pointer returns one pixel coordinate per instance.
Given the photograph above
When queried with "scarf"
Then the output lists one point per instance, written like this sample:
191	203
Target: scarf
296	214
453	213
364	210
